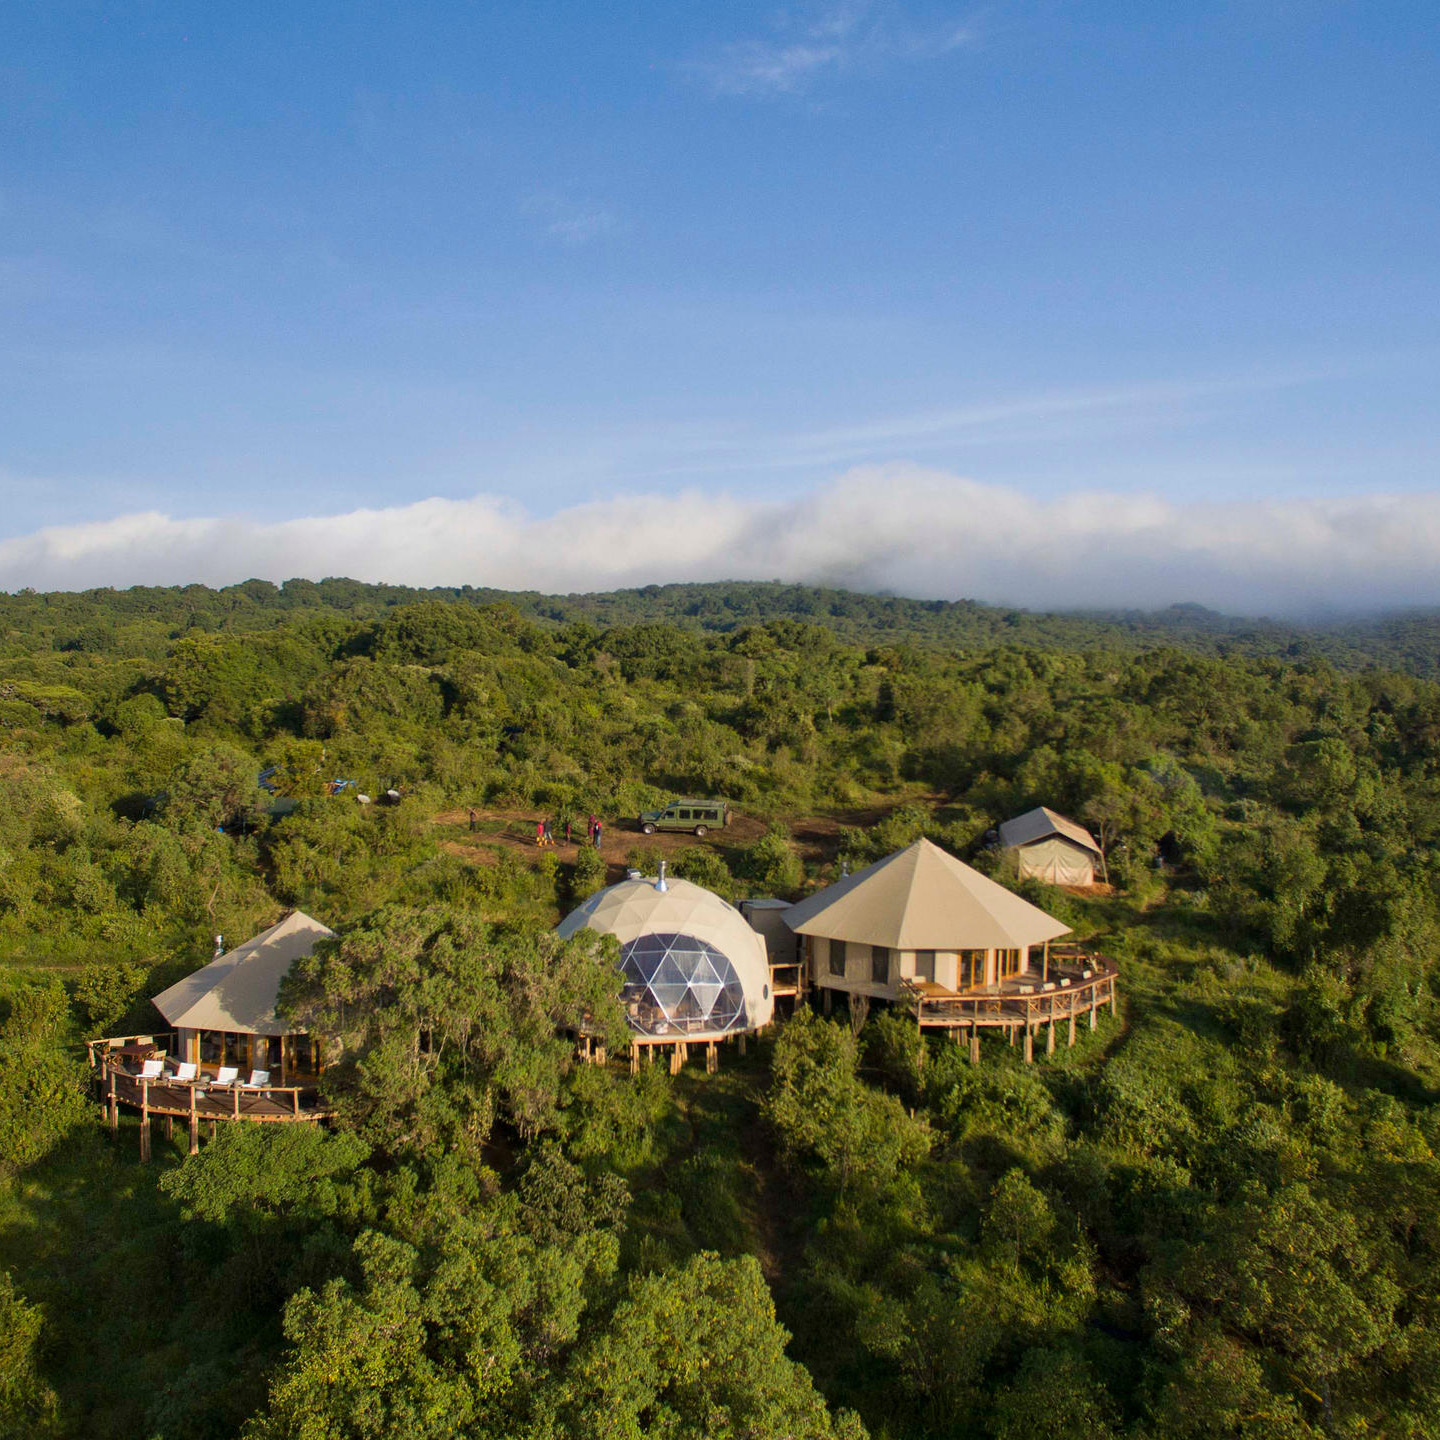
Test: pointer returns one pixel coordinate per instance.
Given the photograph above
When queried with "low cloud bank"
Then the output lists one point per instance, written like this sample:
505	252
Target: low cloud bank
918	532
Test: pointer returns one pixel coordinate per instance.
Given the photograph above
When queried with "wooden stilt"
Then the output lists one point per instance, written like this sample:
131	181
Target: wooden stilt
742	1042
114	1103
634	1058
1010	1036
712	1058
1114	1000
214	1128
674	1059
169	1127
974	1044
1029	1045
828	1000
144	1119
1071	1041
1050	1038
599	1054
194	1125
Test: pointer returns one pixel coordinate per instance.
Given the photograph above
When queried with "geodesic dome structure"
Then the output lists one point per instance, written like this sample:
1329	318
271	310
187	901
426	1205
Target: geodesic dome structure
691	967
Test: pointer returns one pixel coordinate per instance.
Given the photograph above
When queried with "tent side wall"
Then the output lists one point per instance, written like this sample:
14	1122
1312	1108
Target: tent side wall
1056	861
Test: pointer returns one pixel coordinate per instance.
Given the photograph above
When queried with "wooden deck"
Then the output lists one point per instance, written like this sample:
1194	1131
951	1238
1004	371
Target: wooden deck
1078	983
115	1066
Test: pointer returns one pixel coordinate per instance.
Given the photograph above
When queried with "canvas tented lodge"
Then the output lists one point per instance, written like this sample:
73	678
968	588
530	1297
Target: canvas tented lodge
224	1014
924	930
920	914
1046	846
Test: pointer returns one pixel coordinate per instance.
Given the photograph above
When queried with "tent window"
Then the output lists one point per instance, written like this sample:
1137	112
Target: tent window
212	1047
879	965
924	964
837	957
1009	963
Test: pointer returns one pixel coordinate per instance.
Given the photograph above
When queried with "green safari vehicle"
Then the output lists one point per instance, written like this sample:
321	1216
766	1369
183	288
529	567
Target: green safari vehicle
696	816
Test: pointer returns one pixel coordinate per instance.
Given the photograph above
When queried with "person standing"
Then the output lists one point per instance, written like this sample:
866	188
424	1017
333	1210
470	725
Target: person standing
597	834
473	818
549	835
539	832
590	829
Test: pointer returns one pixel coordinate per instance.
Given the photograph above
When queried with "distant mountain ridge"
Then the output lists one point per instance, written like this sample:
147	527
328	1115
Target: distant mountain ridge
96	619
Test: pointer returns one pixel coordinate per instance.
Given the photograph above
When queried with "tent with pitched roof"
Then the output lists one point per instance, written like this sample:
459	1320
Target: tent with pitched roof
1048	847
224	1014
920	914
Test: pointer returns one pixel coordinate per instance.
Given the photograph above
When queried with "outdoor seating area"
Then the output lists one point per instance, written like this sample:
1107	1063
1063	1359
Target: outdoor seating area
141	1073
1074	983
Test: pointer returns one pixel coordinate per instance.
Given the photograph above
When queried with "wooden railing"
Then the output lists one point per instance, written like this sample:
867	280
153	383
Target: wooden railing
117	1063
1079	983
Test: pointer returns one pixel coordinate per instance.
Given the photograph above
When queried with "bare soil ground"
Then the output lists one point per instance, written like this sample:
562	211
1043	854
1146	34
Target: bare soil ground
817	837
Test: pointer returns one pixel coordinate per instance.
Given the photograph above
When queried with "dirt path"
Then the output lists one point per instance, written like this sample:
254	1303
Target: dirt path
817	837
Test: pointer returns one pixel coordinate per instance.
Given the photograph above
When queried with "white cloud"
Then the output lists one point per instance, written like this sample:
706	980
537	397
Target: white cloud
827	39
918	532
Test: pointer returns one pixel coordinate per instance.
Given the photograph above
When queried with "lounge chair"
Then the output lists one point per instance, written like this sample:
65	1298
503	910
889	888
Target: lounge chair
152	1070
186	1073
258	1080
225	1076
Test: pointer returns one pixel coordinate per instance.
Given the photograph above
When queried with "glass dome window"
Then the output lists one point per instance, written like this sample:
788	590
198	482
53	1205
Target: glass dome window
678	985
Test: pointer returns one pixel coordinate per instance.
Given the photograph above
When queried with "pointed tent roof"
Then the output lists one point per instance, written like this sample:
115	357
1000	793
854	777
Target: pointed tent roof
237	991
1039	824
920	898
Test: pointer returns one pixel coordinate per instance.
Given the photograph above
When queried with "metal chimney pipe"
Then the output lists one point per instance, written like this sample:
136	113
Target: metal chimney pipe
660	880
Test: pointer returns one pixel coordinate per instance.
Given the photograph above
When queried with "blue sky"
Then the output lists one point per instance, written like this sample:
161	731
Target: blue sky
275	261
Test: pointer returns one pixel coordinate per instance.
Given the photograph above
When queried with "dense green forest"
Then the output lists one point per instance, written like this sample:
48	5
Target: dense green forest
1218	1215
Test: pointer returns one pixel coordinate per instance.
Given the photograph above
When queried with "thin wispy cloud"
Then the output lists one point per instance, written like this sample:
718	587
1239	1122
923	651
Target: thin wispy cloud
807	44
915	531
569	222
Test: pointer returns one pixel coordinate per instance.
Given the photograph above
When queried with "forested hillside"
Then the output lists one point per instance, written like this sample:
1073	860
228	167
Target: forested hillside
141	620
1218	1215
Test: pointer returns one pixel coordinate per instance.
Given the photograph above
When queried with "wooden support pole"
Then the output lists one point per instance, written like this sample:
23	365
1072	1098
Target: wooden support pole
674	1059
1010	1036
634	1058
599	1054
235	1098
1114	1000
1050	1037
214	1128
169	1127
114	1103
194	1125
742	1042
1029	1045
144	1119
712	1058
974	1044
295	1101
1045	966
1071	1041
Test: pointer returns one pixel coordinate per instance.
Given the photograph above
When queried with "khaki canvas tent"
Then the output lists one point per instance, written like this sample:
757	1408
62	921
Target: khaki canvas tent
920	915
1048	847
224	1014
690	967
